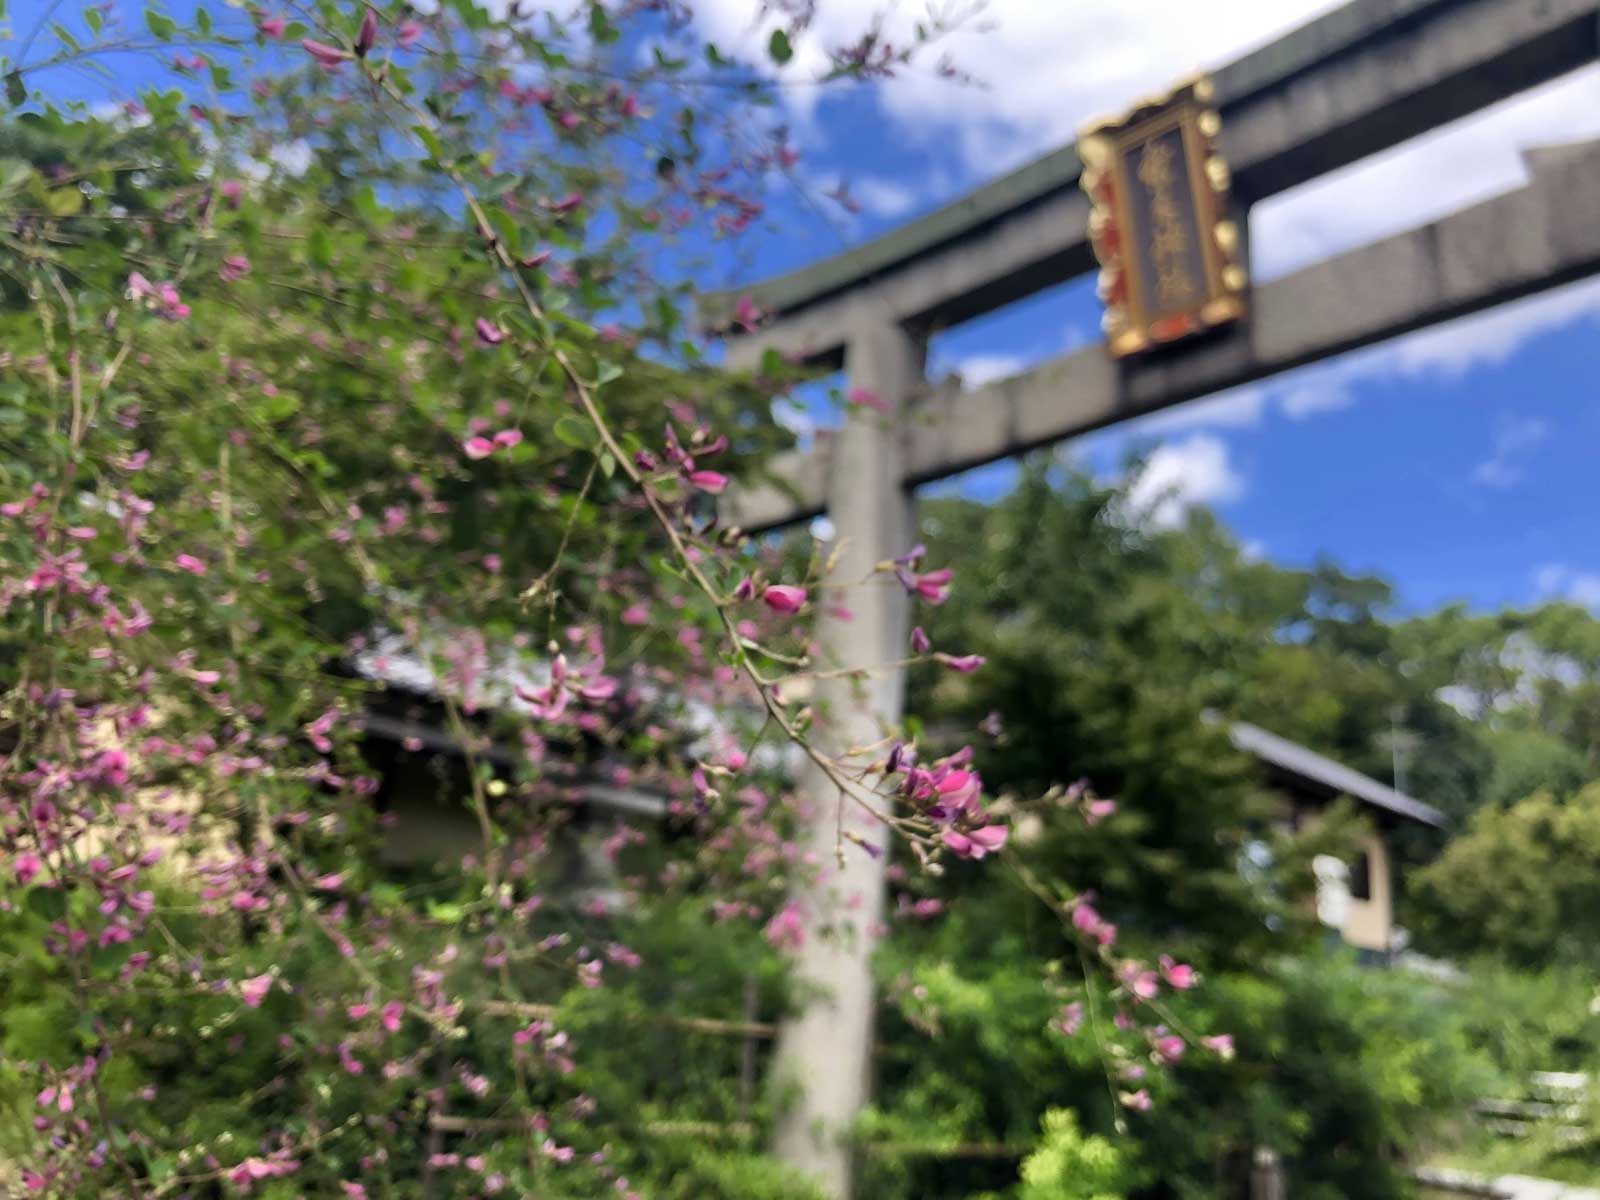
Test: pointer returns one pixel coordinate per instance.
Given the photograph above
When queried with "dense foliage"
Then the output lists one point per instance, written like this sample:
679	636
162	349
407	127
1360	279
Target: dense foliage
1123	658
1521	883
1527	1025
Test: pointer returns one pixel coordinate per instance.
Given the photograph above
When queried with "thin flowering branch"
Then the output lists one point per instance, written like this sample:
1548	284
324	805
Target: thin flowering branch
581	390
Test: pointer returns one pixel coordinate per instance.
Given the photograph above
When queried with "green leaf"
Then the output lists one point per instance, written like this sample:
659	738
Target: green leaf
431	140
606	372
778	47
576	432
110	958
472	14
505	228
280	406
16	90
63	202
449	913
600	26
13	174
94	19
49	903
608	464
366	205
158	23
320	247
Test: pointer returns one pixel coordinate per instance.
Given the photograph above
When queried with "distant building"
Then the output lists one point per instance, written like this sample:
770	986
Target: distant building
1356	898
411	744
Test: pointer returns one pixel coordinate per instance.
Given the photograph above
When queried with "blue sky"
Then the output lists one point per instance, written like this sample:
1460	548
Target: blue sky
1458	462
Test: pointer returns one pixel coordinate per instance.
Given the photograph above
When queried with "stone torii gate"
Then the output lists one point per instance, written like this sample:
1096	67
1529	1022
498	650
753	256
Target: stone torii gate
1360	79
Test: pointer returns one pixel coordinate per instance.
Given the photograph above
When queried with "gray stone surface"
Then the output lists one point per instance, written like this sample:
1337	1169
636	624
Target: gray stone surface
827	1047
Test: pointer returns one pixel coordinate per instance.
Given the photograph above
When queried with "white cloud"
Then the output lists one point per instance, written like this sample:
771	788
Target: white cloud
1585	590
1514	440
843	200
978	369
1462	163
1528	665
1550	577
1178	475
1042	68
1463	699
1312	396
293	157
883	197
1560	581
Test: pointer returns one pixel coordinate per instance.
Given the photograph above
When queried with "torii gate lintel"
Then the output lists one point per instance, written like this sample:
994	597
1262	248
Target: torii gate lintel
1537	237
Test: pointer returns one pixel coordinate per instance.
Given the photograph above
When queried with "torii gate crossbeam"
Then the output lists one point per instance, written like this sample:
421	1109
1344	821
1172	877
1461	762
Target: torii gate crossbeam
1529	240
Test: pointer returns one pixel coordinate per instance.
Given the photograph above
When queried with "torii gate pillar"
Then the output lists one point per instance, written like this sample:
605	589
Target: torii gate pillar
826	1048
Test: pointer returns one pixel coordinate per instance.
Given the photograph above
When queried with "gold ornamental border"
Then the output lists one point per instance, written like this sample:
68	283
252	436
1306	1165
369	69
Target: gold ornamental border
1131	324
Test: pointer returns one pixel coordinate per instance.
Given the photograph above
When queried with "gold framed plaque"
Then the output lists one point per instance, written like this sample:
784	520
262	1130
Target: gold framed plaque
1158	221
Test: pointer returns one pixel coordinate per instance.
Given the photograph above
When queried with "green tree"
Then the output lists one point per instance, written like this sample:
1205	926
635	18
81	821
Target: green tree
1521	883
1528	760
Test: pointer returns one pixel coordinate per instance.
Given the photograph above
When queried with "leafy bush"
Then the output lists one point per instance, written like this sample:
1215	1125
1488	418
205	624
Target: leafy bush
1071	1166
1521	883
1523	1022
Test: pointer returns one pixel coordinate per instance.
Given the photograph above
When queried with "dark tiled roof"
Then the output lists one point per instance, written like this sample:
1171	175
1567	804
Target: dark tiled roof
1326	775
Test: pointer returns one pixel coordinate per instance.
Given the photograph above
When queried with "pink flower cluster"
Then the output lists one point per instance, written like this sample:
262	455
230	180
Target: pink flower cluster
587	684
162	298
702	445
479	447
948	794
932	586
786	930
